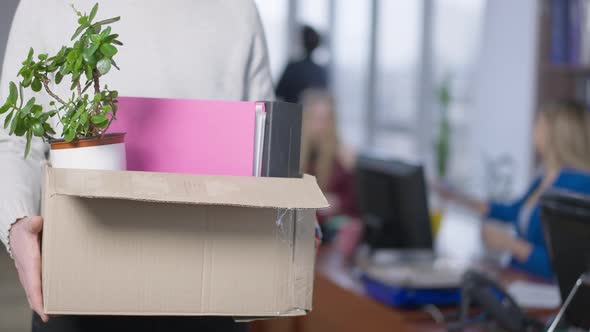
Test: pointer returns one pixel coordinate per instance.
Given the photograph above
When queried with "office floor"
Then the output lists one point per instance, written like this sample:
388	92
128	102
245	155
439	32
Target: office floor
15	314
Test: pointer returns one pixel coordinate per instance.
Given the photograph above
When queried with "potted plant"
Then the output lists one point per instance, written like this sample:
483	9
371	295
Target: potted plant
86	114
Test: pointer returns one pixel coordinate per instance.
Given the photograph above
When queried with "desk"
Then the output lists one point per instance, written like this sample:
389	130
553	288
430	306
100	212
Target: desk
340	304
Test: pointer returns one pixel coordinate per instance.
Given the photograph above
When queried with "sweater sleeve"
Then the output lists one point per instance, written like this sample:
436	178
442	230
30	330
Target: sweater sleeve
504	212
509	212
20	178
259	84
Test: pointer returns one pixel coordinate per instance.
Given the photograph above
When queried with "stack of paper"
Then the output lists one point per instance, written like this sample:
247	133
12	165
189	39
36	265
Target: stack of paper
535	295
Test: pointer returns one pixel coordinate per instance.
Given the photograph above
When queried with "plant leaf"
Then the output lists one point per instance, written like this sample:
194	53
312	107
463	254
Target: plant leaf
83	20
117	42
110	38
104	66
93	12
88	84
98	119
64	70
48	129
13	94
72	56
28	106
78	64
75	81
58	78
78	113
105	33
36	85
44	116
78	31
102	125
84	118
107	21
115	64
20	91
37	110
70	134
29	139
5	108
88	72
95	38
14	124
91	50
7	119
108	50
27	81
20	128
37	128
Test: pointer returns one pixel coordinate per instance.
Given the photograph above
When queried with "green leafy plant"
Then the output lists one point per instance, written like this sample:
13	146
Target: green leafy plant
443	140
81	114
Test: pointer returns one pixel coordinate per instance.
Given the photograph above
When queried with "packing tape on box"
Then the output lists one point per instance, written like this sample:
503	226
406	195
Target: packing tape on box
287	216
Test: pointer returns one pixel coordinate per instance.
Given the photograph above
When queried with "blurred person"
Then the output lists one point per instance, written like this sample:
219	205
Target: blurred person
183	49
303	74
562	142
325	157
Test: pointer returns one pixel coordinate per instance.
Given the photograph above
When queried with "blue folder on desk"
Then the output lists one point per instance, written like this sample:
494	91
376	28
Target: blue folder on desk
408	286
410	297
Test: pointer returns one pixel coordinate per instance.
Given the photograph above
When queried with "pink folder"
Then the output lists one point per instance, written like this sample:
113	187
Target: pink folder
187	136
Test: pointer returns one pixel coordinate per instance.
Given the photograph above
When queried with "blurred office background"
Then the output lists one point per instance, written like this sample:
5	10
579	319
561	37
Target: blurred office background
388	61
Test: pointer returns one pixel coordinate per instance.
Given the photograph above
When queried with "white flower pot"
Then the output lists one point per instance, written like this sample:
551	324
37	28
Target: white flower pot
106	153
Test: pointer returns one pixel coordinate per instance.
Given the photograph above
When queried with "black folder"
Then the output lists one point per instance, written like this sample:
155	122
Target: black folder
282	140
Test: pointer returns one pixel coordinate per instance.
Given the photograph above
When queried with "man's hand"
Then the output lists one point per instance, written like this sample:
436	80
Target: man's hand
25	244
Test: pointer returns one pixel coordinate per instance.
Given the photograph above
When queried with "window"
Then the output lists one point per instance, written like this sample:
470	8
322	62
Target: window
386	64
397	76
315	13
456	28
399	35
412	63
350	49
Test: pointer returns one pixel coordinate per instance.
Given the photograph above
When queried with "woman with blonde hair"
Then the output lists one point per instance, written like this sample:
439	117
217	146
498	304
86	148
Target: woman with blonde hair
323	155
562	142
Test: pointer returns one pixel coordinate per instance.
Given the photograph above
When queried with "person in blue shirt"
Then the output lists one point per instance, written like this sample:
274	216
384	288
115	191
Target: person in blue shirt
562	142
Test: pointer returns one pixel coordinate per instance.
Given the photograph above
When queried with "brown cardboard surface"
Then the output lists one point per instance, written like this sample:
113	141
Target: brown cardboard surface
138	243
284	193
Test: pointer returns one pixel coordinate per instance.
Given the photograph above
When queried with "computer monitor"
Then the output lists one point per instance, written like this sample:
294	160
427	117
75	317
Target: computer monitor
566	225
393	204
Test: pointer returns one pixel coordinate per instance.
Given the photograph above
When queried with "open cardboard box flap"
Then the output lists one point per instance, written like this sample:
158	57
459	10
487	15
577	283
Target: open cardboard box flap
283	193
141	243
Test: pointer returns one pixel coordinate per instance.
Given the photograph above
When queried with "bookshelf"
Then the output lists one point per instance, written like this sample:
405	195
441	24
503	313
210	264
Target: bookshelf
564	30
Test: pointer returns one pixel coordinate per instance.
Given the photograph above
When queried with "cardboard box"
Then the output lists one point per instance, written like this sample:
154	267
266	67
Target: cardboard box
141	243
